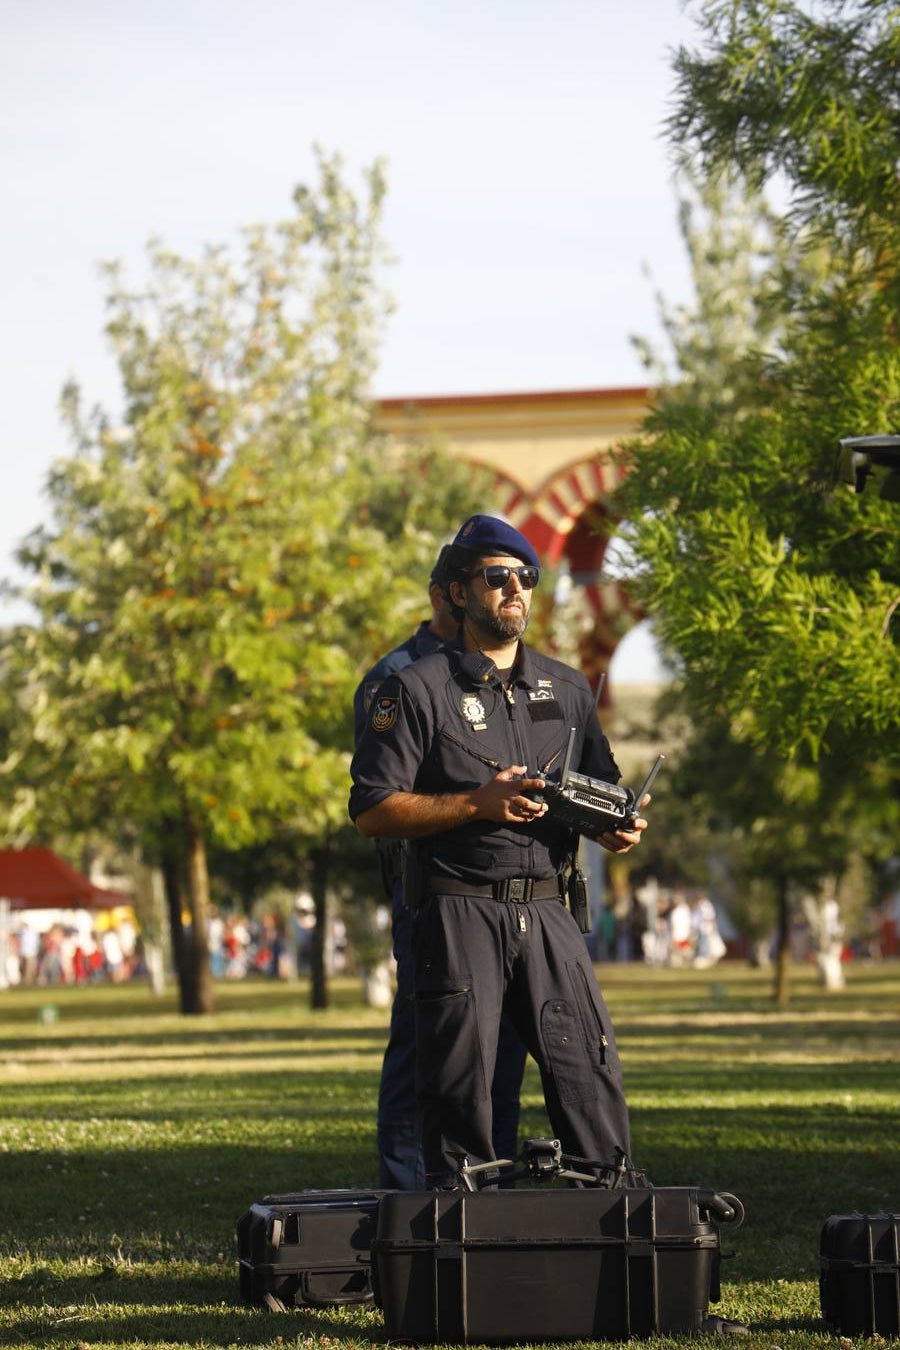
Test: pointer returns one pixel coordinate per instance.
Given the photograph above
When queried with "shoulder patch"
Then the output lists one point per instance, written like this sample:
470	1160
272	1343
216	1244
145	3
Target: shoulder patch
370	689
385	711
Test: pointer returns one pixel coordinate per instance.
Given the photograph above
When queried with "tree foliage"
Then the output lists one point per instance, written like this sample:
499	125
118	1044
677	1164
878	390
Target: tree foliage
226	558
774	589
777	589
808	93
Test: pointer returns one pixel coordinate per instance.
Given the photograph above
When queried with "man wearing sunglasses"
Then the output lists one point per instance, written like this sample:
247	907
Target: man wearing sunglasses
400	1163
454	755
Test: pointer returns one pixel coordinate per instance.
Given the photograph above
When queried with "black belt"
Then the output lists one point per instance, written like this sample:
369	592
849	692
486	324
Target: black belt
514	888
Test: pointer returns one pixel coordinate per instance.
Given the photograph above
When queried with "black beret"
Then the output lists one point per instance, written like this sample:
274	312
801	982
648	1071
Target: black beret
487	535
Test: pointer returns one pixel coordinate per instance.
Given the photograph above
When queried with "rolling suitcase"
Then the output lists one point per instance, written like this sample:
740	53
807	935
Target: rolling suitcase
307	1248
548	1265
859	1278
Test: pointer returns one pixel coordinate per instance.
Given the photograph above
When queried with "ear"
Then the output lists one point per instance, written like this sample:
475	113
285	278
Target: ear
457	593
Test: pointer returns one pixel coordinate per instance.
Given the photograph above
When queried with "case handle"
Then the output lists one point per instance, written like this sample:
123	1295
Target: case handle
322	1300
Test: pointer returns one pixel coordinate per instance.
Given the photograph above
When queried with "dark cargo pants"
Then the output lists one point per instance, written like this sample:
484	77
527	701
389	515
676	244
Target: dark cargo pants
475	958
400	1165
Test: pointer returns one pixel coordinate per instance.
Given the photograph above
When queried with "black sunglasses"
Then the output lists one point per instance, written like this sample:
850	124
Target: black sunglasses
497	576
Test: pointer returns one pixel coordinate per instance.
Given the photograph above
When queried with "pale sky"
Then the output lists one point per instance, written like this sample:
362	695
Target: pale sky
529	181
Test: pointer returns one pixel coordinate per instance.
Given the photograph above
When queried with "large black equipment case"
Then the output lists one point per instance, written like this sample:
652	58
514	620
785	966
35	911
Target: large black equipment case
309	1247
554	1264
859	1278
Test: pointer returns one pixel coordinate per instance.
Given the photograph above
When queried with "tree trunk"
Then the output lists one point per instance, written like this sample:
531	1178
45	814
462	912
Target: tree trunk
823	917
181	957
321	862
378	991
783	955
149	904
200	992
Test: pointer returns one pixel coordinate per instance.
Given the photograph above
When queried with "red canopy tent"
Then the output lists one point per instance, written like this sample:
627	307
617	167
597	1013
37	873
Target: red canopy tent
36	878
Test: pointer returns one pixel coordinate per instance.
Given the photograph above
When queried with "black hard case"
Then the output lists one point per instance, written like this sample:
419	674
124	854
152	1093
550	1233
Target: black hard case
859	1278
546	1265
307	1248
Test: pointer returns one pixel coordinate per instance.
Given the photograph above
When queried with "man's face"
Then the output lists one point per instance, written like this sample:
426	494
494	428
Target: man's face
502	614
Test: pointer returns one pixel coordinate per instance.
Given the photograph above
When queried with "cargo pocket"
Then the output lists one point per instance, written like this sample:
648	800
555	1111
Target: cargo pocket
567	1052
449	1065
575	1039
592	1010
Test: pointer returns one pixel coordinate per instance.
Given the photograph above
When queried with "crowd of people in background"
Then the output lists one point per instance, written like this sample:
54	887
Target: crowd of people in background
272	945
660	929
77	953
686	933
279	947
72	954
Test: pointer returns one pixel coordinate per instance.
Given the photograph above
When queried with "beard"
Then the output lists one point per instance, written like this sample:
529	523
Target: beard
503	627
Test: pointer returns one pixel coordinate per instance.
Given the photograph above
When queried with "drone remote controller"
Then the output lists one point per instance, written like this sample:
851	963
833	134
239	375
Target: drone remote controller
589	805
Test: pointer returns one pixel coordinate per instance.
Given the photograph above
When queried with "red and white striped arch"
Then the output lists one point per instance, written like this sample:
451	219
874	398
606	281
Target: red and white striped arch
548	516
558	519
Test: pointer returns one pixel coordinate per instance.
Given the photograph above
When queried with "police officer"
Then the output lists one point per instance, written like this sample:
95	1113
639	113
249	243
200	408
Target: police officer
429	637
455	748
400	1163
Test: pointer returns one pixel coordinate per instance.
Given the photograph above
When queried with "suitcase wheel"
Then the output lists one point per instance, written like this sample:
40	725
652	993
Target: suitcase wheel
722	1207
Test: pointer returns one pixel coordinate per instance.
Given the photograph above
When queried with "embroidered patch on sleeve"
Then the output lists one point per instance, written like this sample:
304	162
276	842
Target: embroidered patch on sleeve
385	713
370	689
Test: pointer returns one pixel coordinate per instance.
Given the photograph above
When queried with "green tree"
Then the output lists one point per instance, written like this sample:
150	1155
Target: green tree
774	589
219	569
809	95
781	834
778	588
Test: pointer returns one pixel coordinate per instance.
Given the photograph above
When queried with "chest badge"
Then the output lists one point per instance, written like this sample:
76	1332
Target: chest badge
472	709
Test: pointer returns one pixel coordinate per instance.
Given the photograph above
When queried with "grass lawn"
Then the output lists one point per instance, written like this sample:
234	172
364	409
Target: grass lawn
132	1139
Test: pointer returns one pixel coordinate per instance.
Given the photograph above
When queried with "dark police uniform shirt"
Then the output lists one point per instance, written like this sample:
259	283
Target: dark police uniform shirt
422	643
435	727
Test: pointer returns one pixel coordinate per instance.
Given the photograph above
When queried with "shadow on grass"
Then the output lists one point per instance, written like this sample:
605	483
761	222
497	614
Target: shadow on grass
135	1000
182	1202
206	1309
140	1322
831	1075
772	1325
205	1327
228	1043
198	1096
882	1025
